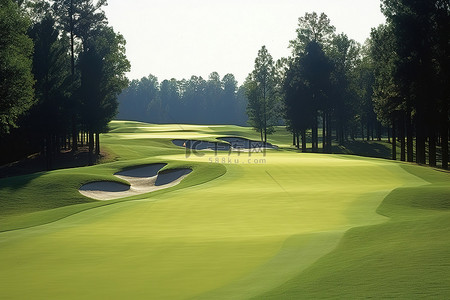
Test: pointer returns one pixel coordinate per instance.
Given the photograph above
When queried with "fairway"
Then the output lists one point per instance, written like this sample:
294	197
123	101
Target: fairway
277	224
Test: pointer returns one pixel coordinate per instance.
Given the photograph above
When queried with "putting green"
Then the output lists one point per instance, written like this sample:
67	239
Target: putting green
266	220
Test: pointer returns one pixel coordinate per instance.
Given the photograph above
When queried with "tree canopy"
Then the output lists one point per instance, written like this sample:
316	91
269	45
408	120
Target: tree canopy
79	67
16	79
262	94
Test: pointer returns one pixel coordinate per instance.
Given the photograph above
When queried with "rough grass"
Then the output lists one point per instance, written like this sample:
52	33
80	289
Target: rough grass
279	224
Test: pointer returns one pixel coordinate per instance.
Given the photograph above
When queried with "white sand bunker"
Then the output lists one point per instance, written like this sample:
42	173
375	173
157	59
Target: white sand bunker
142	180
232	143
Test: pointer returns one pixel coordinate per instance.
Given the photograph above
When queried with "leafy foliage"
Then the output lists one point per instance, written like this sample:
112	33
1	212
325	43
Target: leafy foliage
16	79
312	28
261	91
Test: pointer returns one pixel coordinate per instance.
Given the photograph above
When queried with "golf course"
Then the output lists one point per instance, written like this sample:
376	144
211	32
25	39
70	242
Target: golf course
164	221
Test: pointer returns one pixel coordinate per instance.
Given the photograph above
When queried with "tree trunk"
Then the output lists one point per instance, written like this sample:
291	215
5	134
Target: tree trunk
303	140
72	65
362	130
379	131
368	131
409	135
293	138
97	144
394	141
324	133
330	133
444	136
420	139
389	135
91	148
432	148
48	152
402	137
74	134
298	141
315	140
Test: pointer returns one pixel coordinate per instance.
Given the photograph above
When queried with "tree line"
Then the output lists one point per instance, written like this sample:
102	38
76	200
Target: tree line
195	100
62	70
396	84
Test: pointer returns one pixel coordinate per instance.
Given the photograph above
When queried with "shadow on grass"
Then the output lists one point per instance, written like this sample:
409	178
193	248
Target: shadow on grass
364	148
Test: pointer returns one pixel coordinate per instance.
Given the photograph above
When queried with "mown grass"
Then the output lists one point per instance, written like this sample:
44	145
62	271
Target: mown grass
406	257
278	224
45	197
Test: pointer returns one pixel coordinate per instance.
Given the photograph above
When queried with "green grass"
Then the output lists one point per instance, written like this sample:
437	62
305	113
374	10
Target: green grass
276	225
406	257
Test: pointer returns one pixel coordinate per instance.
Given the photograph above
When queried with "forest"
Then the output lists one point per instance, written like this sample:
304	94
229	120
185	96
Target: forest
399	79
62	70
331	89
196	101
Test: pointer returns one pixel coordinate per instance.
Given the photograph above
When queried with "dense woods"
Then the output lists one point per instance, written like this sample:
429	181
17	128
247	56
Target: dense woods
196	100
64	93
327	85
333	89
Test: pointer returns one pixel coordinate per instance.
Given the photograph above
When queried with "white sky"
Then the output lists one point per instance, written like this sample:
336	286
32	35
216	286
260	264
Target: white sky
180	38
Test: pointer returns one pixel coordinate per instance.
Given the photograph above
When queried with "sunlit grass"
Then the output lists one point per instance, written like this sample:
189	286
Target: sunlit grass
277	224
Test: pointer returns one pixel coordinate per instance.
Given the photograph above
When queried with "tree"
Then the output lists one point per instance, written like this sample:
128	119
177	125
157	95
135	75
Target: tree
387	98
228	102
169	95
309	77
214	98
51	68
150	104
442	55
103	65
298	105
255	109
365	81
420	30
262	95
315	70
312	28
16	79
196	100
345	54
78	18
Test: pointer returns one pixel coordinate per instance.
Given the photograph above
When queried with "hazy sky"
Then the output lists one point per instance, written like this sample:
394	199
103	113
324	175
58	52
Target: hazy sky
180	38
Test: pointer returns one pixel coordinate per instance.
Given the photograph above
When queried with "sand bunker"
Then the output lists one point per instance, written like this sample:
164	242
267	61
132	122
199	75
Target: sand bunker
233	144
169	176
142	180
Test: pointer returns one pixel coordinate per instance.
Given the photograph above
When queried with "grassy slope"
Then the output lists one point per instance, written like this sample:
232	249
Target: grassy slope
406	257
241	235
